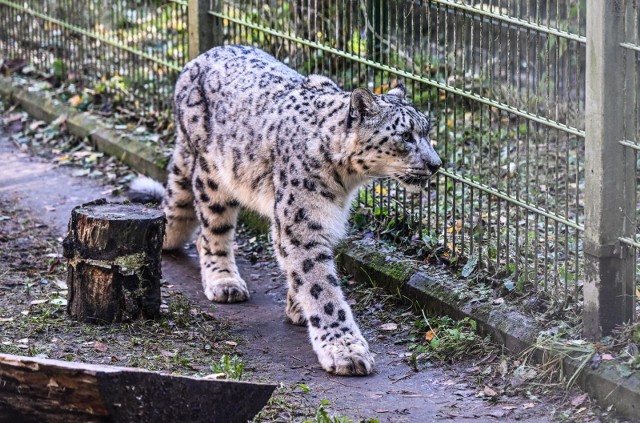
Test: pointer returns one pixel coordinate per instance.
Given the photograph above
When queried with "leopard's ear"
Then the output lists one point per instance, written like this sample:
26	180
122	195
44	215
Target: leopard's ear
399	90
363	104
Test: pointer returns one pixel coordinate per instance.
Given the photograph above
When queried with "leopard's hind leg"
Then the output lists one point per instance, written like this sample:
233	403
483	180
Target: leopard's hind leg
218	213
178	199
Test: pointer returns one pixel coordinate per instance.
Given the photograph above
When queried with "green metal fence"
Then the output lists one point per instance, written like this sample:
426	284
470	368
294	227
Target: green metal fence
127	52
504	81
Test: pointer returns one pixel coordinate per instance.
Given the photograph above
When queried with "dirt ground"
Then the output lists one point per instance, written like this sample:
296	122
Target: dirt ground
36	197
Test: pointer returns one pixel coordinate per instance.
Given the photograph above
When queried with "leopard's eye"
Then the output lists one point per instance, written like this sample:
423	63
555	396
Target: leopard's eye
408	137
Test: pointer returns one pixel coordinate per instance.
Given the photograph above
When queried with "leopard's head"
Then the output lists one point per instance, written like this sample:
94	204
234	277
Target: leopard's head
390	137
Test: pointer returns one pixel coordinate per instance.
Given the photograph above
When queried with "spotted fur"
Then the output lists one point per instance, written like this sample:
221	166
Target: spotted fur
253	132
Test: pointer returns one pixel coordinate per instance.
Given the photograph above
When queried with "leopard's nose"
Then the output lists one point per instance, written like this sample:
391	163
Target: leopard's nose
434	166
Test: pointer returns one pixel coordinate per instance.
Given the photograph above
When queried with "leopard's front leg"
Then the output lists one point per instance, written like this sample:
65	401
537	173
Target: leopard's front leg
315	296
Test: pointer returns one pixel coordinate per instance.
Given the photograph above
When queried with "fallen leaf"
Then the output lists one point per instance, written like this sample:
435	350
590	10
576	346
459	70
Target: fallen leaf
468	268
489	392
381	89
389	326
49	208
61	284
37	302
607	357
231	343
503	368
36	124
528	405
75	100
59	301
6	319
578	400
99	346
430	334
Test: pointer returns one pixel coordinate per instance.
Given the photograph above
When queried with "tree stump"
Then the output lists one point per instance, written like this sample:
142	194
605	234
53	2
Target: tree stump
114	253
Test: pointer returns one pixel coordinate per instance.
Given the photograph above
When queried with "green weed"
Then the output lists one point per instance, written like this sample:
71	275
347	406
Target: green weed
443	338
232	367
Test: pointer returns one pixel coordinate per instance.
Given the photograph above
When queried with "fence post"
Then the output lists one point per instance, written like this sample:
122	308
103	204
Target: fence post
205	31
609	289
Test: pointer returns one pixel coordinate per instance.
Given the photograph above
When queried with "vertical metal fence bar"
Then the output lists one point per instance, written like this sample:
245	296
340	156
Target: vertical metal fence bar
609	290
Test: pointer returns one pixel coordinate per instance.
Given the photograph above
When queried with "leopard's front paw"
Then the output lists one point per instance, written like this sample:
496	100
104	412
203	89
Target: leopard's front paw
227	290
348	355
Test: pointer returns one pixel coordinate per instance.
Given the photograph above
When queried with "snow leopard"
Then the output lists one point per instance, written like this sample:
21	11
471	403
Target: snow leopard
254	133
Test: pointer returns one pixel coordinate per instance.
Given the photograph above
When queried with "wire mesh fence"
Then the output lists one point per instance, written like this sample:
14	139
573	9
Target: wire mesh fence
504	82
126	52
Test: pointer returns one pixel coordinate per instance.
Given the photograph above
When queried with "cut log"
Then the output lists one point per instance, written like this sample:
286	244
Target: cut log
114	254
41	390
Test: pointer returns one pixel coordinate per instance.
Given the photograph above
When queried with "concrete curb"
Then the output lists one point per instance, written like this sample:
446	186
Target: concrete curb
607	384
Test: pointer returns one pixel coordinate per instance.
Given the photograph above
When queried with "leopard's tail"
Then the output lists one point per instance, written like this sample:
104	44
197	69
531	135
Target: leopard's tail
145	190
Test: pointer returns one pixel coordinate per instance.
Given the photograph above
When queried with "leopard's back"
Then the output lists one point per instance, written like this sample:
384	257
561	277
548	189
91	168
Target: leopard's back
233	105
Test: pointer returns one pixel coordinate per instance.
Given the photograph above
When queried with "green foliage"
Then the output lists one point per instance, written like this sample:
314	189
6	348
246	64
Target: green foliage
232	367
443	338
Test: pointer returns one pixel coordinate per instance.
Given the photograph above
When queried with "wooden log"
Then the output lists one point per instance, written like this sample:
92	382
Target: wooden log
114	258
42	390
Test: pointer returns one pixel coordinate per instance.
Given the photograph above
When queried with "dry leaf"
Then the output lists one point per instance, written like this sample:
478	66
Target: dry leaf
430	334
578	400
389	326
489	392
528	405
99	346
381	89
503	368
75	100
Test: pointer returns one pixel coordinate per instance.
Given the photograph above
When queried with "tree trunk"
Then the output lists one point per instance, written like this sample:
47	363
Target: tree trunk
114	253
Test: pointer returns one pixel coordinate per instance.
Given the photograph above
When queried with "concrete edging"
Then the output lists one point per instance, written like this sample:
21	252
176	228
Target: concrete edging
607	384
